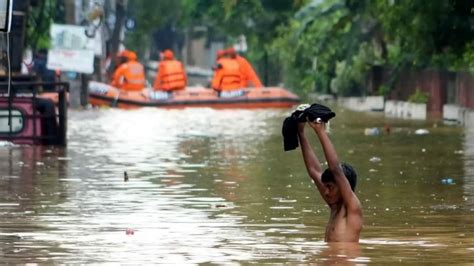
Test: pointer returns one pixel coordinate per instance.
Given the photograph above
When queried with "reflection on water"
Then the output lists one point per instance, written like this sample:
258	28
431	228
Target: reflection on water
215	186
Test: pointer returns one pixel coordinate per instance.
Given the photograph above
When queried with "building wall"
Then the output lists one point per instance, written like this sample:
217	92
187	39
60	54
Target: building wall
442	87
465	89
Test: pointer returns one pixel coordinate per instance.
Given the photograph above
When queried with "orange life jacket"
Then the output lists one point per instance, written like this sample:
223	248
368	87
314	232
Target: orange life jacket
129	76
248	73
227	75
170	76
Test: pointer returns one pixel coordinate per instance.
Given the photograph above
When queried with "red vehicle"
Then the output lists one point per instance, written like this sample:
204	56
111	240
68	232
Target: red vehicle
26	117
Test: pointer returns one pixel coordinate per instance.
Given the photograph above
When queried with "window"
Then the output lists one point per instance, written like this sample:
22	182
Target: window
5	15
17	121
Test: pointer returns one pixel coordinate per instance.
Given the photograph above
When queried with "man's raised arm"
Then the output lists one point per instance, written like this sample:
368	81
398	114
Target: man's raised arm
313	166
350	199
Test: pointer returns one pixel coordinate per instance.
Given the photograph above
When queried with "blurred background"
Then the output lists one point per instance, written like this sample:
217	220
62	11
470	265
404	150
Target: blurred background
397	49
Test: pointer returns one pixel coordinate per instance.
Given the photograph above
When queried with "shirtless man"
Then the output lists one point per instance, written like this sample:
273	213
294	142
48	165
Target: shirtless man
336	185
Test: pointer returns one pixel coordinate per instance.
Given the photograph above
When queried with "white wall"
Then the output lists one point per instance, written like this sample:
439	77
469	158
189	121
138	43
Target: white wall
405	110
369	103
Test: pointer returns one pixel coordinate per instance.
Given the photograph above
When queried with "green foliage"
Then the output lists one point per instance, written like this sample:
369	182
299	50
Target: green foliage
151	15
468	56
39	22
225	20
335	37
384	90
351	74
325	46
419	97
258	20
348	37
432	33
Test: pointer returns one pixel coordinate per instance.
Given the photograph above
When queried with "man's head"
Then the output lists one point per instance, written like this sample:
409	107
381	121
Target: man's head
231	52
332	194
126	55
220	54
168	54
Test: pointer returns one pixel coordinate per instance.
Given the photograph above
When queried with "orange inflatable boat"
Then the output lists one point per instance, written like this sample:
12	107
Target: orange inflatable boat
101	94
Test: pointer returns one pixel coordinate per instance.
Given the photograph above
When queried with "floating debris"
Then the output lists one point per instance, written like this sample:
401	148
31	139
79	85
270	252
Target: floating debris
125	176
448	181
444	207
421	131
374	131
375	159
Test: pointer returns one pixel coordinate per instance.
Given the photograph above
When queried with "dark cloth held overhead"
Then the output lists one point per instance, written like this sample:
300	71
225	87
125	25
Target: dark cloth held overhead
290	133
303	113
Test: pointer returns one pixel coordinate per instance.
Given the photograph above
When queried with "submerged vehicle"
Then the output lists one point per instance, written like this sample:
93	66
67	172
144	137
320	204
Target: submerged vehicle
30	117
101	94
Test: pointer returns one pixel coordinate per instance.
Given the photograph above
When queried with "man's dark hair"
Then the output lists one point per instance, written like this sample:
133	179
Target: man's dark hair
349	172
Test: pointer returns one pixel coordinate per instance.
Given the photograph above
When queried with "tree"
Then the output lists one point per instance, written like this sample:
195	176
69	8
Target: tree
330	46
41	16
151	15
257	20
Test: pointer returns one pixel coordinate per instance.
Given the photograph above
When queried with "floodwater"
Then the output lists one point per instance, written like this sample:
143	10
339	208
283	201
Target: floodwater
214	186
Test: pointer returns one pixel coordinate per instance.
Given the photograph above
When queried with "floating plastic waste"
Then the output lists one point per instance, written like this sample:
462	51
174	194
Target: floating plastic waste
447	181
421	131
375	159
374	131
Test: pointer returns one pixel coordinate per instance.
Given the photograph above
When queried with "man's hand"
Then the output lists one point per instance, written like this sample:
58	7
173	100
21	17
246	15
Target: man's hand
301	128
318	126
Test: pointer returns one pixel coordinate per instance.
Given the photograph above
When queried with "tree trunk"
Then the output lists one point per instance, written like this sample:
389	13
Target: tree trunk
120	7
266	72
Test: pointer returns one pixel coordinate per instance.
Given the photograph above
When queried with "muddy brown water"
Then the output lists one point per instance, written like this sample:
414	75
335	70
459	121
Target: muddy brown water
214	186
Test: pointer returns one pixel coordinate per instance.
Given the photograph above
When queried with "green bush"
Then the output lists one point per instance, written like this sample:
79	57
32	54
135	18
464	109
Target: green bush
419	97
384	90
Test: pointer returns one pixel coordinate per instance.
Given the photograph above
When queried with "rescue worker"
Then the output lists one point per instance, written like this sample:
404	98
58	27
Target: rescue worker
170	75
130	74
248	73
227	74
